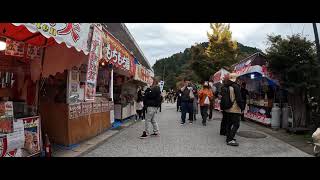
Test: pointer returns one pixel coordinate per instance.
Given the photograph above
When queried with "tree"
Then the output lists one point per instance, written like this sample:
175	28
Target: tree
293	60
222	50
200	63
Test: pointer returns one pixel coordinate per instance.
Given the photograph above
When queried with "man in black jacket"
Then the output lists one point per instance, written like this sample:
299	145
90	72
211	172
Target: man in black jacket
178	95
187	102
152	103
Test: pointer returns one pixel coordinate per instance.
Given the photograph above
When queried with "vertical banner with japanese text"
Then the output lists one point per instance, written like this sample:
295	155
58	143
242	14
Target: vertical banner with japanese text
93	64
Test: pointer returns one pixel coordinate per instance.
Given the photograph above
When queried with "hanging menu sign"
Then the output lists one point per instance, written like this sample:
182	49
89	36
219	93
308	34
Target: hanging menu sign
34	52
93	64
15	48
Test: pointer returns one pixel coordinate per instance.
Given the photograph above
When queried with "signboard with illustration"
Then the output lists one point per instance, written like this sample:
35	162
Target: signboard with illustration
115	53
72	34
25	139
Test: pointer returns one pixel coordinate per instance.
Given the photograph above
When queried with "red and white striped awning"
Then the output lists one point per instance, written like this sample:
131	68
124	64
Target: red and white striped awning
75	35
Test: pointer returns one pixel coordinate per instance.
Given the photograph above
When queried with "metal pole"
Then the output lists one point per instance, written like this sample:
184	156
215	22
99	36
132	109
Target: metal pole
164	69
316	40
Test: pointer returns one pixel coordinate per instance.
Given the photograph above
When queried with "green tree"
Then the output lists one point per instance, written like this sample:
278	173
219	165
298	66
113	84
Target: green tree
292	59
200	63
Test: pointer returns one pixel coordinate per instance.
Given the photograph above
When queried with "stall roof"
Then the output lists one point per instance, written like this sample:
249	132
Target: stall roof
22	34
121	32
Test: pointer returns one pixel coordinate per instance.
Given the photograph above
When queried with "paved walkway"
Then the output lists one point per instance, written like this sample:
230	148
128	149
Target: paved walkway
190	141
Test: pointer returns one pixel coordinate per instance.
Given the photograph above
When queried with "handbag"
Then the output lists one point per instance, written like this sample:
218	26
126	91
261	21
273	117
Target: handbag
191	95
207	101
316	136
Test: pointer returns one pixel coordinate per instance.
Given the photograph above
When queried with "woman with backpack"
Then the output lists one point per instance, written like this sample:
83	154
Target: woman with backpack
205	96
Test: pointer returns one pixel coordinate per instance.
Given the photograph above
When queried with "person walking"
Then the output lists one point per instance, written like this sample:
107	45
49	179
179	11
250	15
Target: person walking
211	107
140	104
244	94
195	104
232	103
223	124
161	101
178	95
205	96
152	103
187	102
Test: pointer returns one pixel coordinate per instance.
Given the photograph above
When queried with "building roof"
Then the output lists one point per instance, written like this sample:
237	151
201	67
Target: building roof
121	32
257	58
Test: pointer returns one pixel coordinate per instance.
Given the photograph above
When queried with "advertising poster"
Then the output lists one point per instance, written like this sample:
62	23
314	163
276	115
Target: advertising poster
24	141
16	139
74	90
93	64
32	135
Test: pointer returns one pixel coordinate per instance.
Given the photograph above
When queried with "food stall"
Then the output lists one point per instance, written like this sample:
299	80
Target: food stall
20	124
262	88
123	65
74	103
216	80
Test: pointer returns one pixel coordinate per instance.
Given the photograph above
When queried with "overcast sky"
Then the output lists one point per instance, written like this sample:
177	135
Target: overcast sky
159	40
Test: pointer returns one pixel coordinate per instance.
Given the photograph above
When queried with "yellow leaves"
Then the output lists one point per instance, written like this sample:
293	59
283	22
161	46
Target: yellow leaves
221	46
220	32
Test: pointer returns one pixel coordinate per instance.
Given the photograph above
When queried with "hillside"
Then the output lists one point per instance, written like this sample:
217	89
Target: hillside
179	66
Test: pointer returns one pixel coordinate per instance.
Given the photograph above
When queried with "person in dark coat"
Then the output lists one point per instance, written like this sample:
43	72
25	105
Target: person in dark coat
152	103
178	95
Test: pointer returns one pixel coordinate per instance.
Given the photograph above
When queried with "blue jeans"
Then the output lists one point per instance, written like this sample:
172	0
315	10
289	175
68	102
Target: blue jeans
186	107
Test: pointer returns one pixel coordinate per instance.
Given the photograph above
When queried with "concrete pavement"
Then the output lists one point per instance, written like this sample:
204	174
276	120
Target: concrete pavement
190	141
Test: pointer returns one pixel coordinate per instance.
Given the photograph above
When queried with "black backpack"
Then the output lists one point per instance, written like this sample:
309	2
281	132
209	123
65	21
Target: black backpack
186	95
226	102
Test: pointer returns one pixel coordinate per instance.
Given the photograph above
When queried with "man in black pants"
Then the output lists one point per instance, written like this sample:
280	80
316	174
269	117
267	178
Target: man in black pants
178	95
187	102
244	93
232	114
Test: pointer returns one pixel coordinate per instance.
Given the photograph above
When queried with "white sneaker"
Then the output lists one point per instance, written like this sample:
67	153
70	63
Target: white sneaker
233	143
